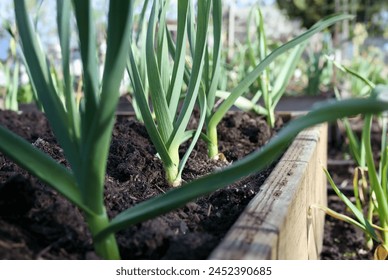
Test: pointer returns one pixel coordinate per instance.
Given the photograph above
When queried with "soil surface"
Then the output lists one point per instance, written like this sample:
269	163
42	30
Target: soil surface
37	223
342	241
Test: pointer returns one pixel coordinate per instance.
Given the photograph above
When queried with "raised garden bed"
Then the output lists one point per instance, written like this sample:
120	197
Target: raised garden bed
277	224
46	226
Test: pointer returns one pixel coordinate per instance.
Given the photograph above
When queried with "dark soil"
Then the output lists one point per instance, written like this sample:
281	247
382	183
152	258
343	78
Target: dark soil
37	223
343	241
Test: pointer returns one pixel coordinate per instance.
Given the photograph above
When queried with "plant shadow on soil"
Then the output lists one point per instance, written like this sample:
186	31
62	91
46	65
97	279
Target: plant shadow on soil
37	223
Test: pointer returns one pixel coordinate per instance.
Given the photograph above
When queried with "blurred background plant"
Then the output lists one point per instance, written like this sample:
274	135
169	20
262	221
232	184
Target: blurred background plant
367	61
274	80
9	79
360	44
309	11
319	71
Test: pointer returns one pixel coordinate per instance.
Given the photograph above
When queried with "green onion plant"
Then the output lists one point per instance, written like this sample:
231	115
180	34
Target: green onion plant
327	111
271	94
84	134
168	130
158	81
371	191
138	42
271	85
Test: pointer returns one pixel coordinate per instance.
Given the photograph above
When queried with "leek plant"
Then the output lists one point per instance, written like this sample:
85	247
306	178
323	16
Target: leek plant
83	133
165	114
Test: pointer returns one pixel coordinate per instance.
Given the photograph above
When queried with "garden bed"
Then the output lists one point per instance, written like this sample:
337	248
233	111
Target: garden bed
46	226
278	223
36	223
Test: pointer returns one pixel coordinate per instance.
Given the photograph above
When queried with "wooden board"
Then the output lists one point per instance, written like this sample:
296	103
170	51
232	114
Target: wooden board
278	222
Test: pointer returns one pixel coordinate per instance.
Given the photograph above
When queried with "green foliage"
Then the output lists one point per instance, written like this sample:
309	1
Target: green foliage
272	84
370	65
83	133
328	111
298	43
371	191
158	81
310	11
25	94
11	73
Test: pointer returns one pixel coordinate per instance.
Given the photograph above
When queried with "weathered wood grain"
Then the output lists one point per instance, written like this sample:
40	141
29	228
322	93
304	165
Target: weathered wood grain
277	224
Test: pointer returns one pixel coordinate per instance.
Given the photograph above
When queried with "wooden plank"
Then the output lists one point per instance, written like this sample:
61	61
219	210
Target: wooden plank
277	223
